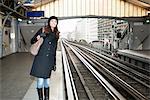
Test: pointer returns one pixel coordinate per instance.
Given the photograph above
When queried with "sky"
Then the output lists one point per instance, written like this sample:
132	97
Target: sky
67	25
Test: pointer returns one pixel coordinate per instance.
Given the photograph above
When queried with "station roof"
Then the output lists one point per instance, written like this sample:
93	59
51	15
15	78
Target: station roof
35	3
143	3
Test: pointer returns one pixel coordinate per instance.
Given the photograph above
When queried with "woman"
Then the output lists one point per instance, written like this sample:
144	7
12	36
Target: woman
44	61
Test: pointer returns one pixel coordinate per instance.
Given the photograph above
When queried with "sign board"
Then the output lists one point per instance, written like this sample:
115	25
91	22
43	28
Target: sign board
35	14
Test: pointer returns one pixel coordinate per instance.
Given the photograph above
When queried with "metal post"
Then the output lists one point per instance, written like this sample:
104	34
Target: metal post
113	35
1	40
1	35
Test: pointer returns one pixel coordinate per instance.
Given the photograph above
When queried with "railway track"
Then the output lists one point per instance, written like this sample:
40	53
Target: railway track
132	81
131	86
140	69
90	85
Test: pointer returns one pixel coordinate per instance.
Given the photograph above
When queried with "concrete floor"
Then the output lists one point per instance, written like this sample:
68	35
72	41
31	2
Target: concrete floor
17	84
15	76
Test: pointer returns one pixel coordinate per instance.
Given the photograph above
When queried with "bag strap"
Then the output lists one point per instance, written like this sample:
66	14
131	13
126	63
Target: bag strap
43	29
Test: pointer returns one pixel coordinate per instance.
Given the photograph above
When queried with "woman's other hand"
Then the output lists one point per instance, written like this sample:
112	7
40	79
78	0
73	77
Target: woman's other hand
38	37
54	68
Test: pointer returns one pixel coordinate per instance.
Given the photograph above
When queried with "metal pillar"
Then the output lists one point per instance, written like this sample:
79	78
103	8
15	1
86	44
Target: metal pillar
2	25
1	35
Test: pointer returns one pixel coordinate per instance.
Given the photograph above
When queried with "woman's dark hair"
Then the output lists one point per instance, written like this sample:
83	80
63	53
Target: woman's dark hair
52	17
48	28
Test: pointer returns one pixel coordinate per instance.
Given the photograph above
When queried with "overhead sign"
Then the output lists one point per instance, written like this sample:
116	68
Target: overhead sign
35	14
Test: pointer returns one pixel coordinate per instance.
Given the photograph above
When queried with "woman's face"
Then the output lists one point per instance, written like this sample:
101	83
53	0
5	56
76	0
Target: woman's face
53	23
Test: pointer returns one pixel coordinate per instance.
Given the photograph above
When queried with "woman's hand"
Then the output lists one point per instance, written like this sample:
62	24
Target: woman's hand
54	68
38	37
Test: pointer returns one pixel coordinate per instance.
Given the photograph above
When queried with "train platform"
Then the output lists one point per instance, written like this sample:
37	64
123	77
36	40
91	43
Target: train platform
138	53
17	84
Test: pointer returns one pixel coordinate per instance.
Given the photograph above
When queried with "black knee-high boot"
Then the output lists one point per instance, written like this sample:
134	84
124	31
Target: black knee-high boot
40	93
46	93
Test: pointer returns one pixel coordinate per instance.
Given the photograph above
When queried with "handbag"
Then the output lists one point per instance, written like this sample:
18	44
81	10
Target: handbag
36	46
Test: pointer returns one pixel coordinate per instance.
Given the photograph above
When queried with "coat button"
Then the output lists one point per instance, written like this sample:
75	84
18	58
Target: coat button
49	42
47	55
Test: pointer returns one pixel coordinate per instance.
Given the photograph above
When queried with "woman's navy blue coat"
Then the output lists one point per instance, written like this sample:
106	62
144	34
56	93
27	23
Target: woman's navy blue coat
45	60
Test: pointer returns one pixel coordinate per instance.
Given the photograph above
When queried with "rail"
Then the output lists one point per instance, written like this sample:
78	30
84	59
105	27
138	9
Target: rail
70	87
71	90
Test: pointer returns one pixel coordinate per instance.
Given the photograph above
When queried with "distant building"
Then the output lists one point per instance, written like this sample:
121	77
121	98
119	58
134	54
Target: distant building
87	29
107	32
